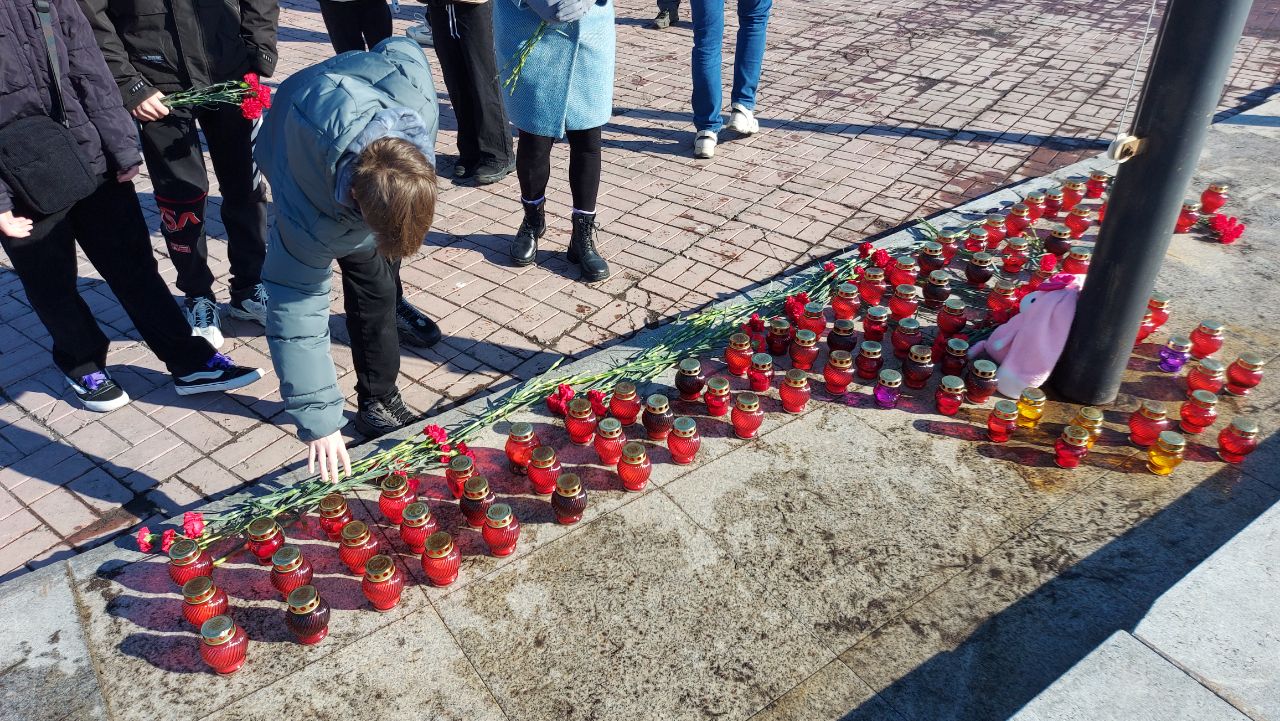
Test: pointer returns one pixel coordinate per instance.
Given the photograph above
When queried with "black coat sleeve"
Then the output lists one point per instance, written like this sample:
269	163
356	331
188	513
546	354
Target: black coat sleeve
133	88
258	22
91	81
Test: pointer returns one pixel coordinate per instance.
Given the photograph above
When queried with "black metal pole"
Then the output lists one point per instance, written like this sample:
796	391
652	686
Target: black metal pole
1184	83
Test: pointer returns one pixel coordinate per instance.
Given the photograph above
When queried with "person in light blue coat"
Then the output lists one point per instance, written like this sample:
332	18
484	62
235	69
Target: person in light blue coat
564	88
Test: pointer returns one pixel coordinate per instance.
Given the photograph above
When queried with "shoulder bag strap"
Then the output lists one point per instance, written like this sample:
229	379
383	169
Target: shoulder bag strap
44	10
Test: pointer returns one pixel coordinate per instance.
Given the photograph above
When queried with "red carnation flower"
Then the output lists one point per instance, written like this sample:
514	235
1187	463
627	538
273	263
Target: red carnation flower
598	406
192	524
437	434
1048	262
263	94
166	539
144	539
558	402
251	108
881	258
1228	229
830	267
252	79
864	250
464	451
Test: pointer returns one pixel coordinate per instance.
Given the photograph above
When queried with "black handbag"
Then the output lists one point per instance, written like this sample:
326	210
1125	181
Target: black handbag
40	159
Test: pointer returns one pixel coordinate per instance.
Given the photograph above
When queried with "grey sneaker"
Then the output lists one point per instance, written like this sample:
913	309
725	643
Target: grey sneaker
202	314
704	145
252	308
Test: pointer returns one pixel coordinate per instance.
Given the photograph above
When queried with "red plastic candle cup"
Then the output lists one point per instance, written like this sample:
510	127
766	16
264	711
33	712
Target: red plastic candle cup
520	445
417	526
869	361
1199	412
760	377
1078	221
1189	216
308	615
950	240
875	324
570	499
624	404
1071	447
1159	307
580	422
460	468
949	396
501	530
265	538
976	242
1052	204
717	396
937	290
1073	192
838	373
1015	256
738	355
1018	220
1002	421
929	258
979	269
334	514
904	336
475	501
223	645
358	546
188	561
1147	423
779	338
1096	185
1206	339
814	319
634	469
1146	328
903	271
843	337
289	570
1238	440
980	381
955	358
690	380
871	287
658	417
1077	260
1059	240
952	318
201	600
684	441
441	559
544	469
1213	198
994	225
609	440
747	415
383	583
844	306
1207	374
1035	204
396	494
918	368
1245	373
804	349
795	391
904	303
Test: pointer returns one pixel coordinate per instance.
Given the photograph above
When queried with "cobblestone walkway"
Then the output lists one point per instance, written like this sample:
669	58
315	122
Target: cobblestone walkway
872	113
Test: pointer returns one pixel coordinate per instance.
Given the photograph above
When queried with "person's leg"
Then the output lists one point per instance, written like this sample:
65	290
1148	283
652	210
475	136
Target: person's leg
369	297
668	15
533	168
244	204
488	122
375	21
412	325
342	21
175	163
708	38
753	22
584	180
451	53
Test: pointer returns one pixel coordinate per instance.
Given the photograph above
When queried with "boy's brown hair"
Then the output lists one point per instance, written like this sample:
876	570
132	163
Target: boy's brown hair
394	186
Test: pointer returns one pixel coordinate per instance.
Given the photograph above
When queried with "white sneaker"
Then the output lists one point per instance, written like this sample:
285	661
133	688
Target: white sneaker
252	308
742	121
202	314
704	145
420	33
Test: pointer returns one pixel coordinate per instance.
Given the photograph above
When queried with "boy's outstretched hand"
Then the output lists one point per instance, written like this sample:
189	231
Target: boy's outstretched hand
331	453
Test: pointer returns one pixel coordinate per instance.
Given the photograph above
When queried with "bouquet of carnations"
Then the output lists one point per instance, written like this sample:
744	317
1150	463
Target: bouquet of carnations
250	94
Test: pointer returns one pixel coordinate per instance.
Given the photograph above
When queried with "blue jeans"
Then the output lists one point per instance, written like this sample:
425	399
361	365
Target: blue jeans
708	39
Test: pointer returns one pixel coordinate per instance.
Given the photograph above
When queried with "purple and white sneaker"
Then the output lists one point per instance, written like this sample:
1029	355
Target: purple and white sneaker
219	374
97	392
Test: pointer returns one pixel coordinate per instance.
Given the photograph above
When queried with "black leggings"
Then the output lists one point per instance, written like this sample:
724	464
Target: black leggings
533	166
356	24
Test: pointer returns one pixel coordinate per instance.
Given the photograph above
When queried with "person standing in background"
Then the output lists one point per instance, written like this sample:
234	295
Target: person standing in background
463	34
356	24
708	94
153	48
668	15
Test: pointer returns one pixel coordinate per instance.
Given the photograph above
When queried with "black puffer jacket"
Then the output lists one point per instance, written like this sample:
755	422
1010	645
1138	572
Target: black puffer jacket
172	45
107	136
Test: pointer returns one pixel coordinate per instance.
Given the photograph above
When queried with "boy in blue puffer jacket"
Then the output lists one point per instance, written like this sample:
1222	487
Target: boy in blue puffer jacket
349	148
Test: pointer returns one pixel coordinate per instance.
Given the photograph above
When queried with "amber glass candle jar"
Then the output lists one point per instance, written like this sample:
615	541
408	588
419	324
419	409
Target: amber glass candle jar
838	373
903	271
1017	221
779	338
1071	447
1238	440
814	319
949	396
795	391
844	306
441	559
580	422
1077	260
980	381
475	501
937	290
308	615
1165	454
737	356
1090	419
1245	373
501	530
416	526
201	600
747	416
1030	408
1059	240
1002	421
918	368
904	303
955	357
1213	198
717	396
1073	191
980	268
684	441
187	561
1015	256
265	538
904	336
869	361
569	501
1175	354
875	323
1207	374
223	645
1189	216
396	494
658	417
950	240
1079	220
1199	412
843	337
1147	423
760	377
930	256
951	320
1053	203
383	583
635	468
289	570
1206	339
690	380
520	445
609	440
871	287
358	546
334	514
804	349
888	389
625	404
460	468
544	469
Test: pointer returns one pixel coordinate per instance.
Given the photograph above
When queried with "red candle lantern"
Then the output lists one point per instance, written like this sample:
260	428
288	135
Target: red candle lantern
1053	203
779	339
456	474
417	526
918	368
188	561
684	441
358	546
1206	339
845	307
265	538
950	239
814	319
634	469
396	494
289	570
1018	220
569	501
1213	198
1015	256
1078	221
760	377
980	381
937	290
1147	423
1035	204
804	349
201	600
308	615
1002	299
223	645
747	415
476	500
1145	328
1238	440
869	361
1245	373
1207	374
994	225
955	357
1071	447
871	287
1059	240
580	422
795	391
1096	185
1002	421
904	336
1073	192
625	404
904	271
520	445
838	373
1199	412
979	269
738	355
1189	216
842	337
658	417
334	514
609	439
904	302
949	396
977	239
1102	212
383	583
930	256
717	396
951	320
875	323
501	530
690	380
544	469
1159	307
441	559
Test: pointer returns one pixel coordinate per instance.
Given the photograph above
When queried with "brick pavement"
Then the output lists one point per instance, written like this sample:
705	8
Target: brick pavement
872	113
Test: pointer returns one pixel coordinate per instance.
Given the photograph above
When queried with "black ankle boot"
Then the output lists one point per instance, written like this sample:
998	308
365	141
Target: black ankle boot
524	248
582	248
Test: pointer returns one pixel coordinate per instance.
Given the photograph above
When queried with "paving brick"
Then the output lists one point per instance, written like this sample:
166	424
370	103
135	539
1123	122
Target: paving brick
62	511
100	491
30	545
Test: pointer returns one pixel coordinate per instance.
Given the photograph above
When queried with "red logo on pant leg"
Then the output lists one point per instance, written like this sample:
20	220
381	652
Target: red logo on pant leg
173	222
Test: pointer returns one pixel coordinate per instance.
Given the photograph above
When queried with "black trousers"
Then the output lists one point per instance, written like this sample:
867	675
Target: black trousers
669	5
369	289
463	36
533	166
175	162
113	233
356	24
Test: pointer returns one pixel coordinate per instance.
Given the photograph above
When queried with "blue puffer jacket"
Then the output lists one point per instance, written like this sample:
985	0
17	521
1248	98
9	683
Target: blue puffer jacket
319	115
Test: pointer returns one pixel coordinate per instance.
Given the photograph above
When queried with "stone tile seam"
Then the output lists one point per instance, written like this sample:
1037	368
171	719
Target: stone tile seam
463	650
82	620
1197	678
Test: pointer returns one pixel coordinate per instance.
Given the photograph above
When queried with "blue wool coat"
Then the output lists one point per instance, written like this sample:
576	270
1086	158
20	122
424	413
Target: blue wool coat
567	82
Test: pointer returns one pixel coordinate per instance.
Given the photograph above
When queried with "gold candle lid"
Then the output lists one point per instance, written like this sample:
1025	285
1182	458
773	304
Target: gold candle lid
982	259
869	349
260	529
873	275
1080	252
461	464
953	306
996	219
609	427
797	378
780	326
690	367
1179	343
633	453
543	457
1243	427
762	361
1060	231
904	262
416	514
684	427
334	505
198	590
909	326
1250	361
1204	398
1005	410
1212	367
957	347
1153	410
978	232
846	290
380	568
305	599
476	488
522	430
1172	442
840	359
939	277
1211	327
1033	396
740	341
931	248
890	378
395	486
286	559
952	234
1017	242
984	369
1075	180
355	533
1089	417
184	552
748	402
1005	286
1035	196
843	326
951	384
657	403
1055	192
439	544
1076	436
1020	209
806	338
1191	206
1081	211
718	385
568	485
217	630
813	310
904	291
1218	187
921	354
1159	300
579	408
624	390
1100	175
878	313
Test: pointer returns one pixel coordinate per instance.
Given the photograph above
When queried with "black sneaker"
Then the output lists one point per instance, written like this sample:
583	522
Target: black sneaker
414	328
379	416
98	393
491	171
220	374
464	169
665	19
